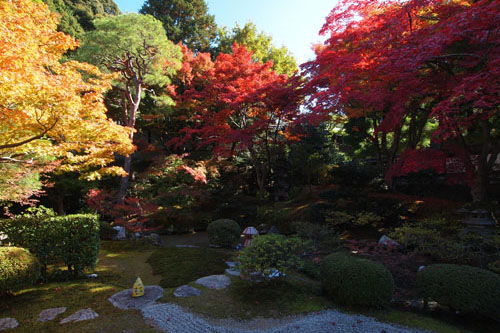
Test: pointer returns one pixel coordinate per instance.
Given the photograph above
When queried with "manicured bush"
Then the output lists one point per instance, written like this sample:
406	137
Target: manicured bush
271	255
224	233
18	268
463	288
73	239
106	231
356	281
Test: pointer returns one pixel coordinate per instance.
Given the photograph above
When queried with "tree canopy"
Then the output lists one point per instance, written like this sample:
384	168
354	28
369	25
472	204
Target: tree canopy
261	46
185	21
51	111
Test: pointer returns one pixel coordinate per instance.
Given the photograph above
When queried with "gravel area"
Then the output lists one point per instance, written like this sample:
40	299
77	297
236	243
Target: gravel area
174	319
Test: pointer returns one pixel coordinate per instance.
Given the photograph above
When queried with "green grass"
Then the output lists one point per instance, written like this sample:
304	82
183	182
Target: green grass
178	266
119	264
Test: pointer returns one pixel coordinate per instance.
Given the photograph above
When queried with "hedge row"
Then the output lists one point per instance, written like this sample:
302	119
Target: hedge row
72	239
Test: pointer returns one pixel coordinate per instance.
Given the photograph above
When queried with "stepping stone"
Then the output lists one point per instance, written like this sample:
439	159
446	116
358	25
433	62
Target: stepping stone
81	315
186	291
8	323
214	281
232	264
189	246
233	271
50	314
124	300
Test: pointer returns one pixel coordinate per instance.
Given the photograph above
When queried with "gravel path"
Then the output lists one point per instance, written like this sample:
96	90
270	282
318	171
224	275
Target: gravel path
174	319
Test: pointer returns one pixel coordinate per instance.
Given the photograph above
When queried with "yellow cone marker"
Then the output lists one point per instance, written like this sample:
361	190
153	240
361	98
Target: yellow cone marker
138	288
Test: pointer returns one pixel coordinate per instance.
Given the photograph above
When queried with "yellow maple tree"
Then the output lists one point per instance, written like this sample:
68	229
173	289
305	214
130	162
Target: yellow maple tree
50	109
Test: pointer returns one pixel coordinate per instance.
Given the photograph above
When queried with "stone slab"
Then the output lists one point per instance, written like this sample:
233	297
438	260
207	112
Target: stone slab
8	323
233	271
232	264
186	291
124	300
80	315
188	246
214	281
50	314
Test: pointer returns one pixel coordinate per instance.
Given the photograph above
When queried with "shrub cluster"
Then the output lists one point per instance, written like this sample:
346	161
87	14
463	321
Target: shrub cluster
355	281
272	255
106	231
73	239
224	233
463	288
18	268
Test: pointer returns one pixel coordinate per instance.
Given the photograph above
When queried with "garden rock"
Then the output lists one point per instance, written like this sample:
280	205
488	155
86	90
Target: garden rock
232	264
124	300
120	235
214	281
233	271
155	239
8	323
186	291
81	315
386	241
188	246
50	314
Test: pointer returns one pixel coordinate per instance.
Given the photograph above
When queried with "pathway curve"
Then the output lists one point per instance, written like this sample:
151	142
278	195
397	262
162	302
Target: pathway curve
174	319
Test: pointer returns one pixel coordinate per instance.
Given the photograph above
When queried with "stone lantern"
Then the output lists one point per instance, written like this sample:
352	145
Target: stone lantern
248	234
479	221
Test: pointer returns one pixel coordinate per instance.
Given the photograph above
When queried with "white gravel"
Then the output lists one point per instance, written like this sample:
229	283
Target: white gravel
174	319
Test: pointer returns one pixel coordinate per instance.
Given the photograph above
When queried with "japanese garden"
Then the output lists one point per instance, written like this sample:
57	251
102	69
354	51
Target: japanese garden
161	172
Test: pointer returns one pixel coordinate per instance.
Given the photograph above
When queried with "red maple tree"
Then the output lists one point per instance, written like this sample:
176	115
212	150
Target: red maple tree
236	105
403	64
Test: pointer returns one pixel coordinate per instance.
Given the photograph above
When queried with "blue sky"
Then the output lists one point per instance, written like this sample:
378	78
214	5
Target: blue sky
292	23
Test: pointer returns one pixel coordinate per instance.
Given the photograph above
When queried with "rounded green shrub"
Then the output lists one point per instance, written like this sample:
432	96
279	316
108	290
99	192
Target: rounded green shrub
224	233
272	255
356	281
18	268
463	288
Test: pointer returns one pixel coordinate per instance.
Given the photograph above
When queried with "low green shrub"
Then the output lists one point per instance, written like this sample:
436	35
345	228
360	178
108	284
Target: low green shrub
224	233
73	239
106	231
272	255
18	268
356	281
463	288
322	238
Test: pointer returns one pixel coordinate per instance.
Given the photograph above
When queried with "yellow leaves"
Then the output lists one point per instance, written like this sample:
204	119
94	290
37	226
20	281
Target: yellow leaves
48	107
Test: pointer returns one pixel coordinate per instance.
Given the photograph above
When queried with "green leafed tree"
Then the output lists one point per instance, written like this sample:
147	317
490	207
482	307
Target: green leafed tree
135	47
77	15
260	44
185	21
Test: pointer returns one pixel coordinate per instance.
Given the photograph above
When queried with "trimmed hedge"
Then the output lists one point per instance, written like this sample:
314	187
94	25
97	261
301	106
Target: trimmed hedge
224	233
18	268
73	239
463	288
355	281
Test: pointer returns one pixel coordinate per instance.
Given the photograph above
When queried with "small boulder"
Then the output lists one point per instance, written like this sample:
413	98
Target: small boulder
186	291
155	239
233	271
81	315
386	241
214	281
124	300
232	264
50	314
8	323
121	234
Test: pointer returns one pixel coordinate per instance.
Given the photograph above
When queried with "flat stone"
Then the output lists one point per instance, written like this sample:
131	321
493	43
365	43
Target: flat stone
387	241
188	246
8	323
81	315
50	314
124	300
233	271
232	264
186	291
214	281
